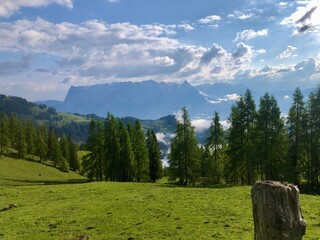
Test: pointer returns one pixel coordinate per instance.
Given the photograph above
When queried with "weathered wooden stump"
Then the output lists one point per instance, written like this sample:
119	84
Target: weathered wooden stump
276	211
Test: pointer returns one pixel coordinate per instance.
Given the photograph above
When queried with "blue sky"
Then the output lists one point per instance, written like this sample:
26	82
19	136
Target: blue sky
46	46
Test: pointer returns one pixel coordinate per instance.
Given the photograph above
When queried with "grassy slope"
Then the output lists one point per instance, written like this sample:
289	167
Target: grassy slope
21	172
131	210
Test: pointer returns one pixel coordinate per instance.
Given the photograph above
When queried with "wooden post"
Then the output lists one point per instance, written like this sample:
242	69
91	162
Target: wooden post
276	211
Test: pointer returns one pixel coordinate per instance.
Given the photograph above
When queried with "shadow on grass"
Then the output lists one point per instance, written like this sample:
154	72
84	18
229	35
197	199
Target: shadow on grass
177	185
47	182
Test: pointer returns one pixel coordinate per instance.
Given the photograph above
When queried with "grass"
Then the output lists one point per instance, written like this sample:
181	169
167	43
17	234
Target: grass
110	210
21	172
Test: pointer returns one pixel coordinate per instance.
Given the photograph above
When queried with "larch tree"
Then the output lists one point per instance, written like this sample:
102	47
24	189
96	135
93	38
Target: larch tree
74	162
271	139
41	143
236	168
314	136
140	151
126	154
112	148
214	148
154	154
185	153
297	133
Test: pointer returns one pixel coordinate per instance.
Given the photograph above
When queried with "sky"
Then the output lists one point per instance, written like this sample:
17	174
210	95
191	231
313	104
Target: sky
46	46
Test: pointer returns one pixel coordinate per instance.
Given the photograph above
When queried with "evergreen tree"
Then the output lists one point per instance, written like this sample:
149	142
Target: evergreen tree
271	138
74	162
297	130
57	157
249	135
185	154
236	139
30	133
215	144
126	154
241	140
4	131
140	151
112	148
50	141
13	130
64	146
154	154
314	136
41	146
21	145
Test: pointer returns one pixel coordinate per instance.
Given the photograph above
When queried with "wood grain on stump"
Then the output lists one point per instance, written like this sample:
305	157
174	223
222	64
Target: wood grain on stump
276	211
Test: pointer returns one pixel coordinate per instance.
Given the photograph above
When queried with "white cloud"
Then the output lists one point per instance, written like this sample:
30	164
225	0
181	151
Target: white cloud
304	74
200	125
9	7
286	97
238	15
186	27
209	19
289	52
250	34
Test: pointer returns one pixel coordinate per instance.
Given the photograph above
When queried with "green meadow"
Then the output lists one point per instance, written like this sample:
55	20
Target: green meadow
110	210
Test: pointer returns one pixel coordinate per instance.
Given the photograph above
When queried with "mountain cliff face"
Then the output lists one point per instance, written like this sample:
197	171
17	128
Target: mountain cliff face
153	100
144	100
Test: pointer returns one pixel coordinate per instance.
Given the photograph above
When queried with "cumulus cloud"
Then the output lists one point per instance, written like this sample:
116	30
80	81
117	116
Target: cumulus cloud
287	53
243	53
9	7
304	74
249	34
209	19
215	51
200	125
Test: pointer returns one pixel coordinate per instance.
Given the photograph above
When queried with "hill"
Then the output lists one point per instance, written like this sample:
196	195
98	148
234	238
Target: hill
112	210
22	172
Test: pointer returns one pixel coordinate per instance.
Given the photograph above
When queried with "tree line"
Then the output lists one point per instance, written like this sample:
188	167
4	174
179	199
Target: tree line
260	144
23	137
119	152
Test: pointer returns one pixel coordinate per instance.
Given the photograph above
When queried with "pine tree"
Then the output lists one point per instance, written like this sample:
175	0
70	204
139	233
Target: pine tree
41	146
154	154
140	151
21	144
13	130
126	154
215	143
185	154
64	146
30	133
74	162
236	139
297	119
51	138
314	136
112	148
271	139
4	131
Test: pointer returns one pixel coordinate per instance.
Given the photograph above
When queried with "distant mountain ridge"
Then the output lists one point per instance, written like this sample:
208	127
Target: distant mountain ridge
153	100
143	100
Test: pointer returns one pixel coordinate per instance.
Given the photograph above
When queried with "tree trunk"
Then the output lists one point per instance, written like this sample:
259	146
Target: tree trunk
276	211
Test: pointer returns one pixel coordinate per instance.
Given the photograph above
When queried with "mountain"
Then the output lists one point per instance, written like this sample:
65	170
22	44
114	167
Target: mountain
143	100
152	100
